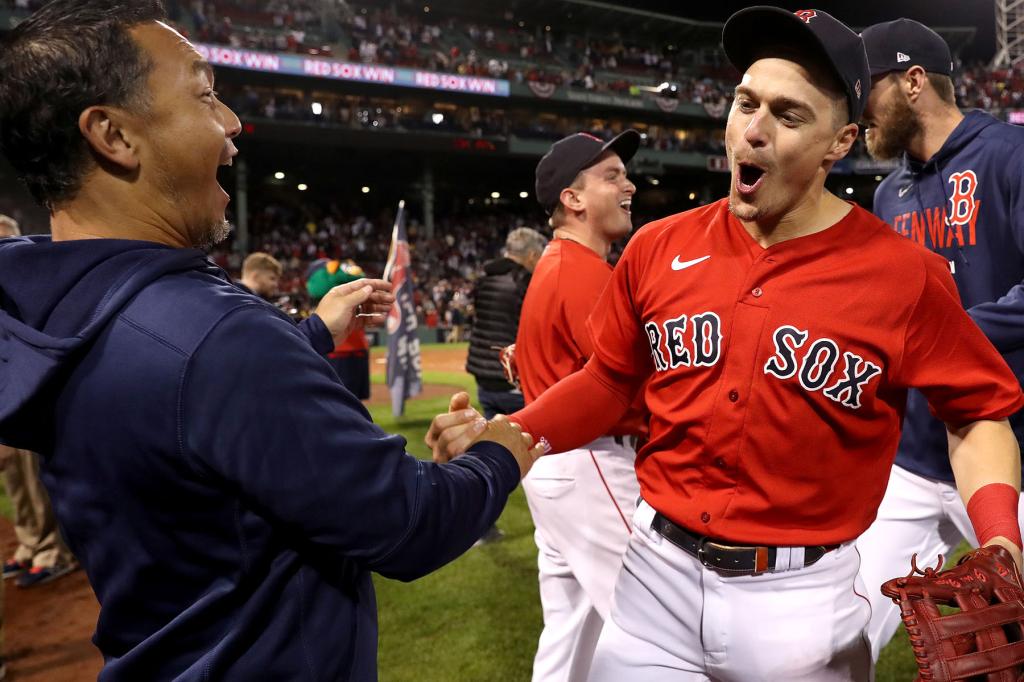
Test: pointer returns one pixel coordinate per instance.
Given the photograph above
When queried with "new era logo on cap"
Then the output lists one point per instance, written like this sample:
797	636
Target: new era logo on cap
806	14
904	43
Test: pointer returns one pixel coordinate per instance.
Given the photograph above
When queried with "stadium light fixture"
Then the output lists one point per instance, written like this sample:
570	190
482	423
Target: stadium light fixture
548	29
426	9
495	195
693	195
365	190
437	118
524	195
849	190
317	108
279	175
654	181
303	187
878	178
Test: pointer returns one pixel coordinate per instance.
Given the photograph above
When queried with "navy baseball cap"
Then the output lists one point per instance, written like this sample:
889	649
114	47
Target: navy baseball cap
900	44
748	32
571	155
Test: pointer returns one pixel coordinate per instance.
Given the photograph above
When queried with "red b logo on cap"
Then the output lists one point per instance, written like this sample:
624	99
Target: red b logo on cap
806	15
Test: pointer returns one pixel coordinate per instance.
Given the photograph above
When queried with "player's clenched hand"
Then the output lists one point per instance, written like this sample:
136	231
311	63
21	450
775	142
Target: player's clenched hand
352	305
451	434
510	435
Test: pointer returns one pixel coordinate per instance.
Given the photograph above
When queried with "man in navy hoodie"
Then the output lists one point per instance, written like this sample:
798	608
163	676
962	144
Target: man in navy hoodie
959	191
226	495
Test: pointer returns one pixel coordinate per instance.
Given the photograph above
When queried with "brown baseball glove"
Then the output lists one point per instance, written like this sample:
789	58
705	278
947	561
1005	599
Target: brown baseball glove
983	640
507	356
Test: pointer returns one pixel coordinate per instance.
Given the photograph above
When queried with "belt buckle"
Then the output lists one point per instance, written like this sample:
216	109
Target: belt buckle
758	568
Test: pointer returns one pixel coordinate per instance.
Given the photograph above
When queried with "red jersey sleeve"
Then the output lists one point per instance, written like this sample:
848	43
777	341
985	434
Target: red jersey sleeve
620	343
948	358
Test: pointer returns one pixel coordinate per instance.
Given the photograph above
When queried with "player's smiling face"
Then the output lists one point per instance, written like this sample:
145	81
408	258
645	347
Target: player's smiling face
184	136
783	135
607	196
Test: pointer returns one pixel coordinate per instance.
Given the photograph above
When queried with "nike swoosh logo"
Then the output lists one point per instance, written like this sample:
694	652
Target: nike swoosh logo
904	190
682	265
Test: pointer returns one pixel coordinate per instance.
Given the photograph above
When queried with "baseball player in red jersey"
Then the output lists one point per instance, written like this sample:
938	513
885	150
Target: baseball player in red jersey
775	334
581	500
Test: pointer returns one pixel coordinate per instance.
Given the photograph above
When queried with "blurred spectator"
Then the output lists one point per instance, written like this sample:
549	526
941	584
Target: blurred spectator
261	275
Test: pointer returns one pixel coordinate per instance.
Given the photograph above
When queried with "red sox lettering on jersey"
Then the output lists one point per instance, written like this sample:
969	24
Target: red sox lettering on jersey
942	227
814	367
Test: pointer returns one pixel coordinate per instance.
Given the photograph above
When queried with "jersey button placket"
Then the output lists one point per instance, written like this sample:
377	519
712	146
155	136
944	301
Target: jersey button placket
734	395
705	517
756	292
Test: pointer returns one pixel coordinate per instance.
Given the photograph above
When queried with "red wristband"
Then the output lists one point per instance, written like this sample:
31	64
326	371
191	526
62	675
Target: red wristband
993	512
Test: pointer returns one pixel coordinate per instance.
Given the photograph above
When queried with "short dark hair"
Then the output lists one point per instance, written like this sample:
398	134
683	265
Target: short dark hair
943	86
66	57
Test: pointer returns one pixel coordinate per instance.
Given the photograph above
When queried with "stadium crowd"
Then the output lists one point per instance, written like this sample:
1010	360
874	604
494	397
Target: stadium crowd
404	35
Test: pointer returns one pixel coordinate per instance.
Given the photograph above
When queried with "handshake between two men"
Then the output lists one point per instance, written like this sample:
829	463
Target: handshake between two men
453	433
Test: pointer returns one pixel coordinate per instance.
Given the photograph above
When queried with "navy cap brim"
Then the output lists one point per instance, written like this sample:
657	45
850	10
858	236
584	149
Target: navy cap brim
625	145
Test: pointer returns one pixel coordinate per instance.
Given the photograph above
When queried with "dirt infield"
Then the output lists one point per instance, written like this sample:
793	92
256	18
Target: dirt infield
48	629
433	359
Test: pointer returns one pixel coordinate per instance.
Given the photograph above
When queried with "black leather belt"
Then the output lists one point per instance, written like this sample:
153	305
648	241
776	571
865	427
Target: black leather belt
725	558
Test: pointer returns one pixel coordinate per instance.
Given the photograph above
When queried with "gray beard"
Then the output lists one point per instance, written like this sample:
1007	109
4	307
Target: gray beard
214	234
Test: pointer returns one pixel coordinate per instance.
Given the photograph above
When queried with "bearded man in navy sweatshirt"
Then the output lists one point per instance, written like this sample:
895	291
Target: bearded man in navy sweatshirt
959	191
226	495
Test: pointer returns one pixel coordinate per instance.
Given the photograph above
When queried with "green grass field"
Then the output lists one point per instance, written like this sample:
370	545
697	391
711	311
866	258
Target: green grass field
478	618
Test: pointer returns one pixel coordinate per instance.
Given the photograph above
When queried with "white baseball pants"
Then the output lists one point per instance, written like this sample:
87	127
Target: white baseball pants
673	619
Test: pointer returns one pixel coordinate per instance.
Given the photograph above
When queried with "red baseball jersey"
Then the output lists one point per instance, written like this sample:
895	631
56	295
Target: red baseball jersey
553	339
778	376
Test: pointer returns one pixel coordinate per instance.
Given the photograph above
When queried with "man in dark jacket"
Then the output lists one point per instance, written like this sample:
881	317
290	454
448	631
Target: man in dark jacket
959	191
226	495
497	301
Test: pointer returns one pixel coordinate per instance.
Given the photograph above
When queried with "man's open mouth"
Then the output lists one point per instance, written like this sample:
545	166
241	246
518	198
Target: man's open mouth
749	178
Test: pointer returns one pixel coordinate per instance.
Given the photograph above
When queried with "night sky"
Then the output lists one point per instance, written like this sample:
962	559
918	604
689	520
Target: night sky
860	13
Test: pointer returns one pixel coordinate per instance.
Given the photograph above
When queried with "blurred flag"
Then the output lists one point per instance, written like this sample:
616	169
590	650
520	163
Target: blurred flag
404	377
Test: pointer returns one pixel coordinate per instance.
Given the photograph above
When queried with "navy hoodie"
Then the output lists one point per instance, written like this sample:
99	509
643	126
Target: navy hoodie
226	495
966	203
